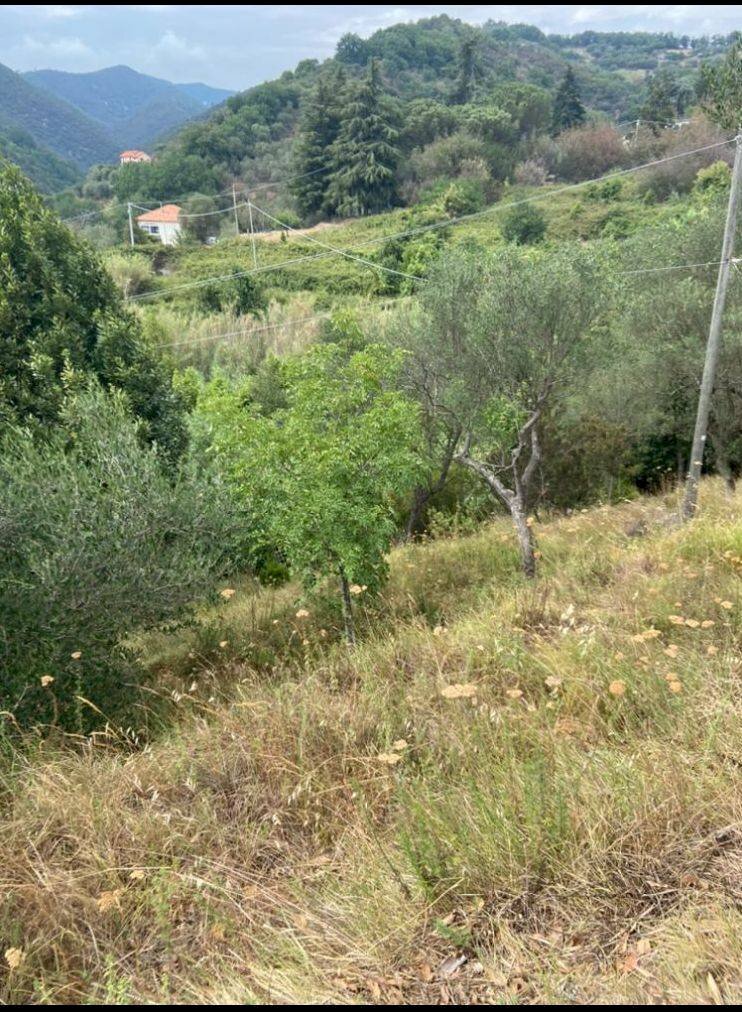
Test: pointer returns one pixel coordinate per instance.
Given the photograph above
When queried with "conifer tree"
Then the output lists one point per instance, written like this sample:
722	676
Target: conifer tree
467	73
365	154
313	155
568	108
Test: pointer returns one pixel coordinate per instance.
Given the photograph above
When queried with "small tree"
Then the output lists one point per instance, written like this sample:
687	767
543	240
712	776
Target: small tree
323	471
568	108
524	225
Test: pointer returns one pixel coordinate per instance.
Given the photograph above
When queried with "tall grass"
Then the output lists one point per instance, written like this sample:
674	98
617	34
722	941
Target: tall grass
330	826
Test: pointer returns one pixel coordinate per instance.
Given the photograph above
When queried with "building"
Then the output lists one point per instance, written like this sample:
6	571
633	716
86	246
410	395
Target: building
162	222
133	156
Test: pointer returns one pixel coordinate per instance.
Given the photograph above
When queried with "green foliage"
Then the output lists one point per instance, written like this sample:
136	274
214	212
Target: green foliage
713	179
199	221
468	72
365	155
524	224
323	472
96	543
663	102
238	293
63	321
569	111
721	88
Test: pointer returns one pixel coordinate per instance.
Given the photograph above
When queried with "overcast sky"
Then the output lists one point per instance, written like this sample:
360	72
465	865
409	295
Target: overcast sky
240	45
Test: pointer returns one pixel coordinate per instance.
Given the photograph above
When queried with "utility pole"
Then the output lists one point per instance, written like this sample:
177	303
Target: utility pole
234	206
690	501
131	224
252	234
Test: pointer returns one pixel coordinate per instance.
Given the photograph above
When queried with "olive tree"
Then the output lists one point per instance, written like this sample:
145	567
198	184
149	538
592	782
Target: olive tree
493	344
97	542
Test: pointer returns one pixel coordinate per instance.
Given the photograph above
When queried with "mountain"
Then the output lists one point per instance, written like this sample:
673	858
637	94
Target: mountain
134	109
54	125
47	171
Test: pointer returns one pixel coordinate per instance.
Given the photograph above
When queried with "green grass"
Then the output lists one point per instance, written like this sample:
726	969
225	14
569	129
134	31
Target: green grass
568	822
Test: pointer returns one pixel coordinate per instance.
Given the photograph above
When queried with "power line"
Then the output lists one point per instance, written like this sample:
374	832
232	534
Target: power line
186	196
335	249
444	223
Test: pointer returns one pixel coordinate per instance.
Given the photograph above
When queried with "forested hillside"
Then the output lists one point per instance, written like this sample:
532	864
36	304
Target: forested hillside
441	77
52	123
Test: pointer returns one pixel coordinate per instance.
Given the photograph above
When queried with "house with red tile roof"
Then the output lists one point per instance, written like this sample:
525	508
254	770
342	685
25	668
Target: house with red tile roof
134	156
162	222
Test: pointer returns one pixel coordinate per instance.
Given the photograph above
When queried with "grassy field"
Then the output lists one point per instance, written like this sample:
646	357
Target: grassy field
506	794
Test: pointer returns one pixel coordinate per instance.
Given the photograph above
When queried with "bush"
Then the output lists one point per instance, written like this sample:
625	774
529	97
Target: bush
531	172
589	151
679	175
96	543
524	225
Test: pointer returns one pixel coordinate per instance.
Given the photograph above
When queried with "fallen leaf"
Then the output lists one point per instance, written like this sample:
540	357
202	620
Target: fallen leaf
14	957
459	690
227	593
109	899
46	680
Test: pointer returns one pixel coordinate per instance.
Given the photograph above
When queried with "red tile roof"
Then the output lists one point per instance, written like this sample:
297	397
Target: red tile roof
168	212
134	153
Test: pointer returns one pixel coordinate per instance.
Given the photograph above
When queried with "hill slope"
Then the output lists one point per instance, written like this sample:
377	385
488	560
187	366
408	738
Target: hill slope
134	108
45	169
52	123
507	794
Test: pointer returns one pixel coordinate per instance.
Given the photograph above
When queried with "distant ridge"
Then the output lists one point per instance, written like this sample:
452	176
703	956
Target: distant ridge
134	109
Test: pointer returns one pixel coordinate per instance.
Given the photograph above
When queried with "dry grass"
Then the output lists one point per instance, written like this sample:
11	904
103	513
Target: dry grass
569	828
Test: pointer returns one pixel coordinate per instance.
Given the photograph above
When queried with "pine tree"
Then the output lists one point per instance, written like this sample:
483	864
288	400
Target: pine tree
365	154
721	88
568	108
313	155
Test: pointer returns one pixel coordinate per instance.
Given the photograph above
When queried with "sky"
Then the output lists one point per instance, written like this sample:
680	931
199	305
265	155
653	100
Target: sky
236	46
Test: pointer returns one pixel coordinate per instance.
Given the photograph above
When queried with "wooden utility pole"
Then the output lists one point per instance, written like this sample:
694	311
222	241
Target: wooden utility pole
234	206
131	224
690	501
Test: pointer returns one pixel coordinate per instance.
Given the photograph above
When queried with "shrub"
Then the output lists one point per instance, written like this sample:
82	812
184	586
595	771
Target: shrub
531	172
96	543
524	225
679	175
589	151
